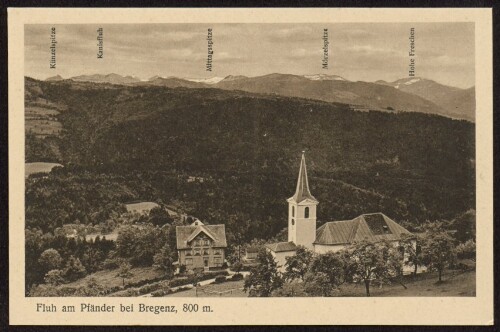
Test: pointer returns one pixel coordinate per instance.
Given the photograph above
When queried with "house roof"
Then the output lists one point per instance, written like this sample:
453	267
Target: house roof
372	227
200	229
302	191
186	234
282	246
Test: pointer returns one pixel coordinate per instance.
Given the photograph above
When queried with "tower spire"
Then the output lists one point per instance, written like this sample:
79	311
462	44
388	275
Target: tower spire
302	192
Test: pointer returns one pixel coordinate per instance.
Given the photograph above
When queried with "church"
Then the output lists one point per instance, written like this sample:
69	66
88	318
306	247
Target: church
333	235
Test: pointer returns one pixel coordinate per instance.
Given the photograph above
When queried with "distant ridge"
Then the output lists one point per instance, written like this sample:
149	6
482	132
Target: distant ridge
55	78
414	94
109	78
456	102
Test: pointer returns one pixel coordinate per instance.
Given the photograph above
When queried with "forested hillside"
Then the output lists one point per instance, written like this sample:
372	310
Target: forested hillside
227	157
409	158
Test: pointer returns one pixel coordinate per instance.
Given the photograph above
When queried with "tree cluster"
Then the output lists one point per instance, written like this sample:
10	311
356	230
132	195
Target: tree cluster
310	274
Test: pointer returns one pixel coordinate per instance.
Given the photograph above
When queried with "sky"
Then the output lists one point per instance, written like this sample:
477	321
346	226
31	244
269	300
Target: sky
357	51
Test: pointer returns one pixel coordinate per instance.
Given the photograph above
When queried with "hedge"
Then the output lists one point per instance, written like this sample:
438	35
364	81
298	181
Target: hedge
193	278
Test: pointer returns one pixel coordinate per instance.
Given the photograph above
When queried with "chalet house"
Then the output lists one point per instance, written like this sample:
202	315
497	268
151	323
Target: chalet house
201	246
331	236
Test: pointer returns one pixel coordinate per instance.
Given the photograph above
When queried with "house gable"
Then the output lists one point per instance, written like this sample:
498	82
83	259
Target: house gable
186	234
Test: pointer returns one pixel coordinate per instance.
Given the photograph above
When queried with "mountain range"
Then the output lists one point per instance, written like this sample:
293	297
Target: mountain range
409	94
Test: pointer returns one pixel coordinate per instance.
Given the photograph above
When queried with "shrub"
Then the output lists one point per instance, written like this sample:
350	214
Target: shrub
237	277
161	292
132	292
111	263
146	289
220	279
196	278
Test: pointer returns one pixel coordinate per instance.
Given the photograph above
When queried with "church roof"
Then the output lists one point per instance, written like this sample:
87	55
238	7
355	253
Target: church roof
282	246
373	227
302	192
186	234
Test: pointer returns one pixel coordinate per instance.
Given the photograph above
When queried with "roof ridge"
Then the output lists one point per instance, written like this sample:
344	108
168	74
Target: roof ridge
354	229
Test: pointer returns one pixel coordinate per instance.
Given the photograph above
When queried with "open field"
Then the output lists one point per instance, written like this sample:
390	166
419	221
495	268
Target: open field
108	278
454	283
39	112
140	207
42	121
227	289
38	167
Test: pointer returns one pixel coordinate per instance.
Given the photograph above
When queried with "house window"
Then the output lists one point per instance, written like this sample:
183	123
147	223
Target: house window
293	211
205	251
293	222
189	261
217	260
306	212
217	252
188	253
197	252
207	242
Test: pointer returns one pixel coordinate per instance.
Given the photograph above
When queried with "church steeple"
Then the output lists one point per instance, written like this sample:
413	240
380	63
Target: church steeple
302	211
302	192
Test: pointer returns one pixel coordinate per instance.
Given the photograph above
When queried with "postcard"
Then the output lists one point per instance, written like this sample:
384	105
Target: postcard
250	166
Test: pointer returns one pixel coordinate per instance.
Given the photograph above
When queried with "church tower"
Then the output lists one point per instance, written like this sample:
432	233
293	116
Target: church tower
302	211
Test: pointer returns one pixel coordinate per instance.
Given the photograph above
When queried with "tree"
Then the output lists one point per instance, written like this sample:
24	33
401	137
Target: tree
318	284
411	246
465	225
296	266
236	267
163	261
50	259
370	262
438	250
234	255
466	250
124	272
326	273
159	216
91	288
54	277
291	289
264	278
74	269
140	244
92	258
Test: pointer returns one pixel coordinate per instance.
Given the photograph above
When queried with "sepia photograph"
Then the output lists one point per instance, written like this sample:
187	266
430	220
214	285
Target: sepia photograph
169	167
250	160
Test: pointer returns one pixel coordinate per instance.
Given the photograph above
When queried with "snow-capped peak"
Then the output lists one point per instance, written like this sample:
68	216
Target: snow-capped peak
413	80
324	77
211	80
